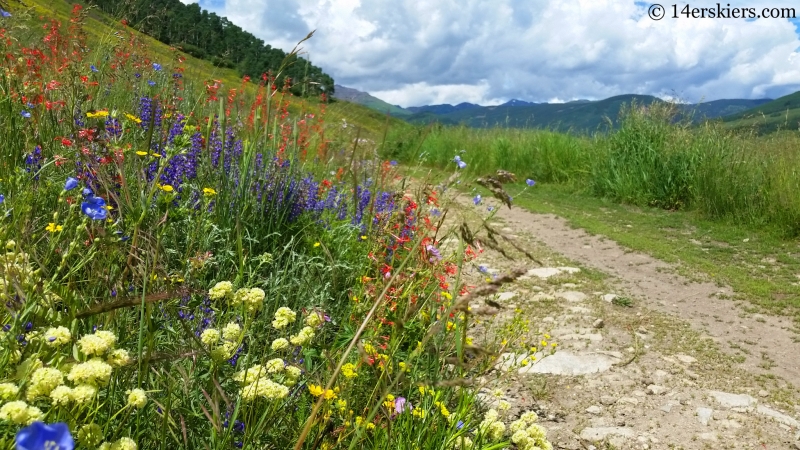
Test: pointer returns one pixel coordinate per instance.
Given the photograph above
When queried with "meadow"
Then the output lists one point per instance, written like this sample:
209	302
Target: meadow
652	160
191	261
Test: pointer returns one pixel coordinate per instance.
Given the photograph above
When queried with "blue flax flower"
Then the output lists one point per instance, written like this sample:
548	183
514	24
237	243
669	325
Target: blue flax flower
94	69
151	82
461	164
71	184
40	436
26	114
477	200
95	208
156	66
4	13
2	198
530	182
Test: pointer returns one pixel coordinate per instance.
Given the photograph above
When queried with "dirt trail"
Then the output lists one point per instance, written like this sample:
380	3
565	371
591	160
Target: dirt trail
653	282
682	368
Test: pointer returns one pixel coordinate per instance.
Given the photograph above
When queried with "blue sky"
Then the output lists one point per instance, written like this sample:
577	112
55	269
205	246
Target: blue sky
411	53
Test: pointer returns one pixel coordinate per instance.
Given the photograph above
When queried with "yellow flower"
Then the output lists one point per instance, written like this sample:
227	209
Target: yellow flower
155	155
349	370
544	343
208	192
403	366
166	187
469	340
141	153
137	398
418	412
341	404
315	390
92	115
451	326
53	228
447	295
316	244
133	118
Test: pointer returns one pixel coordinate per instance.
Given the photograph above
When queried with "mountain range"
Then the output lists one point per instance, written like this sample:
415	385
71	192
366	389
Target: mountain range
576	116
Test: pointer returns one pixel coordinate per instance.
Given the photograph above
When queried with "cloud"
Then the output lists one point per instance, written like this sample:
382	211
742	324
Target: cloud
410	52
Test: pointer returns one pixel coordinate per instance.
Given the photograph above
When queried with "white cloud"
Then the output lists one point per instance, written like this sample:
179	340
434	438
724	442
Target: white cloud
410	52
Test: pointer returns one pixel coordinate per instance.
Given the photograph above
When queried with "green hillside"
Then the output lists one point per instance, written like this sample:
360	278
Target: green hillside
365	99
779	114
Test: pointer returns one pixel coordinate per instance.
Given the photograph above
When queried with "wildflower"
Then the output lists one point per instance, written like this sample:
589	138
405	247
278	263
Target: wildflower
208	192
349	370
141	153
53	228
166	187
251	299
71	184
293	373
490	208
95	208
283	317
156	67
93	372
98	343
151	82
304	337
317	391
401	404
264	387
314	319
221	290
43	381
316	244
280	344
42	436
442	409
90	435
118	358
134	119
530	182
96	114
2	198
8	391
275	365
61	395
83	393
224	351
136	398
232	331
125	443
477	200
4	13
210	336
462	442
26	114
20	413
419	412
93	68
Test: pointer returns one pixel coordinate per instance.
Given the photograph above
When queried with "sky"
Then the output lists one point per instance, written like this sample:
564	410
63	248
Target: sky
412	52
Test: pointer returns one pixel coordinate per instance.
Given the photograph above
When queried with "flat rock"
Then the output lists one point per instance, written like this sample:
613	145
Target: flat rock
740	402
601	433
609	297
628	401
580	310
599	323
505	296
778	416
686	359
655	389
704	415
667	407
608	400
564	362
571	296
547	272
594	409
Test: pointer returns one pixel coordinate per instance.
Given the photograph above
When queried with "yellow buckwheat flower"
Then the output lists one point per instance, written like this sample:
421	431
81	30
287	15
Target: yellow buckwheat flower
56	337
275	365
43	381
90	435
62	395
280	344
210	336
304	337
252	299
18	412
94	372
232	332
314	319
283	317
84	393
119	358
220	290
8	391
137	398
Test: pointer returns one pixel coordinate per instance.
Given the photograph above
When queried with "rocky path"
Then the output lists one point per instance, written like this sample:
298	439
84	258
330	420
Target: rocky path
646	359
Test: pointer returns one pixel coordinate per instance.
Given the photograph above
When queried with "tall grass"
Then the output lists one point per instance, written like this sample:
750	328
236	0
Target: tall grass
652	159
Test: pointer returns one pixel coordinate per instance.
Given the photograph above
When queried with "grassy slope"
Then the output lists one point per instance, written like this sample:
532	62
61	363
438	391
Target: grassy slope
781	113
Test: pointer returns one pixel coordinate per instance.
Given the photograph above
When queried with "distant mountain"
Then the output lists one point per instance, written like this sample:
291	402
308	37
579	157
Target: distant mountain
363	98
576	116
442	109
779	114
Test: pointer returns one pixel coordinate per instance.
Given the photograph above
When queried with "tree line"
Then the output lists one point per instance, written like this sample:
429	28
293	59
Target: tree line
208	36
